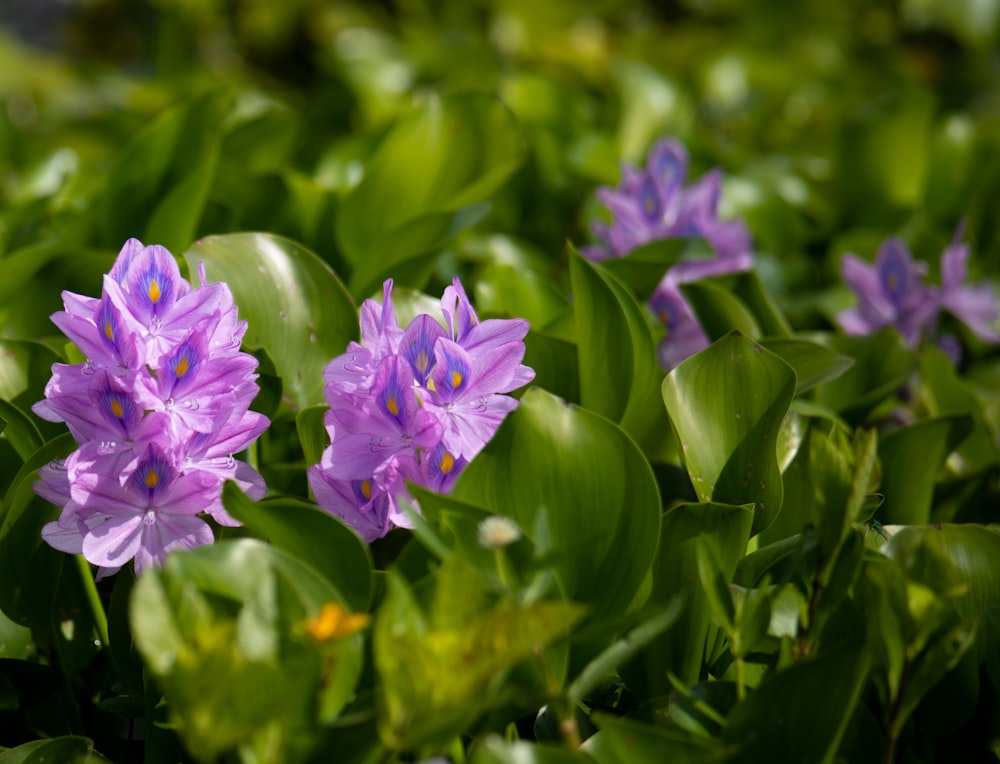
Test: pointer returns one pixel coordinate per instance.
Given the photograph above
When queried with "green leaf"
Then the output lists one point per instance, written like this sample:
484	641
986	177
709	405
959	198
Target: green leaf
441	669
719	311
161	179
494	750
912	458
644	267
597	492
882	365
312	432
504	289
618	372
296	307
624	741
944	392
20	430
726	405
225	630
30	568
813	363
622	650
468	146
957	561
68	749
556	364
314	536
726	530
769	726
715	587
751	291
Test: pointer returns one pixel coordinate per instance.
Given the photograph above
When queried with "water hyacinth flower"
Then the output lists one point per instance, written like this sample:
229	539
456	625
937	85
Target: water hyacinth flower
157	410
892	292
652	204
413	405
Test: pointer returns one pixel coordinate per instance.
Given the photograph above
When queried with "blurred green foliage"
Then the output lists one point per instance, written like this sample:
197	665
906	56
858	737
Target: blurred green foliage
784	550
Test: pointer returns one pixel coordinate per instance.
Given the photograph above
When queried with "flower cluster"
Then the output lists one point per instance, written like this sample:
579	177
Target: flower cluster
158	409
413	405
653	204
892	292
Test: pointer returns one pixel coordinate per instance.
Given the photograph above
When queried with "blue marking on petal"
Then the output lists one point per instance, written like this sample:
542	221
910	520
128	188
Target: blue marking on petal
153	476
649	201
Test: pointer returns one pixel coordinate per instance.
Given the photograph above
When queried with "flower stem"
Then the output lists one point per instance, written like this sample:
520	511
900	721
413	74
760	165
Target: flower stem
94	600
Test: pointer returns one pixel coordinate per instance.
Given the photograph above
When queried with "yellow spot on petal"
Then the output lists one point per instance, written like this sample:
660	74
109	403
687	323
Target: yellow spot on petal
152	478
392	405
447	463
109	331
423	362
116	408
154	291
334	622
182	366
456	378
366	489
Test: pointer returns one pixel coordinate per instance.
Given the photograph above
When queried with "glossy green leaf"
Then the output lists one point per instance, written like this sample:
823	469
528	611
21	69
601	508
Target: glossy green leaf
767	727
729	448
597	492
30	568
315	537
719	311
67	750
296	307
754	295
912	458
20	430
25	368
618	372
312	432
957	561
556	364
944	392
814	364
726	530
469	145
504	289
644	267
882	365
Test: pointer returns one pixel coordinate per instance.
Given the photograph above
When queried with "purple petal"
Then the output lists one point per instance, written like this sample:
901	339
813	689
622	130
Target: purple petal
115	541
169	533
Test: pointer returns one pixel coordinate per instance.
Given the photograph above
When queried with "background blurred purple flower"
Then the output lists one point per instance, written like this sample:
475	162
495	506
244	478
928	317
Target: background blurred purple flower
158	410
413	405
653	204
891	292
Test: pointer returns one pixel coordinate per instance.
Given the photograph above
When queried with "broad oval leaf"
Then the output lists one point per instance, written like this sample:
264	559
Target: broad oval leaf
719	311
69	748
727	404
882	365
468	146
617	357
726	529
912	458
296	307
315	537
586	483
813	363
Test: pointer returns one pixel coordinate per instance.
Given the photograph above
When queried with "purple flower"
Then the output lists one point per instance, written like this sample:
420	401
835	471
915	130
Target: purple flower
653	204
157	410
974	304
685	337
891	292
413	405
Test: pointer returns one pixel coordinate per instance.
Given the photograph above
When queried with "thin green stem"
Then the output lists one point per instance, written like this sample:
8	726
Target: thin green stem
94	600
